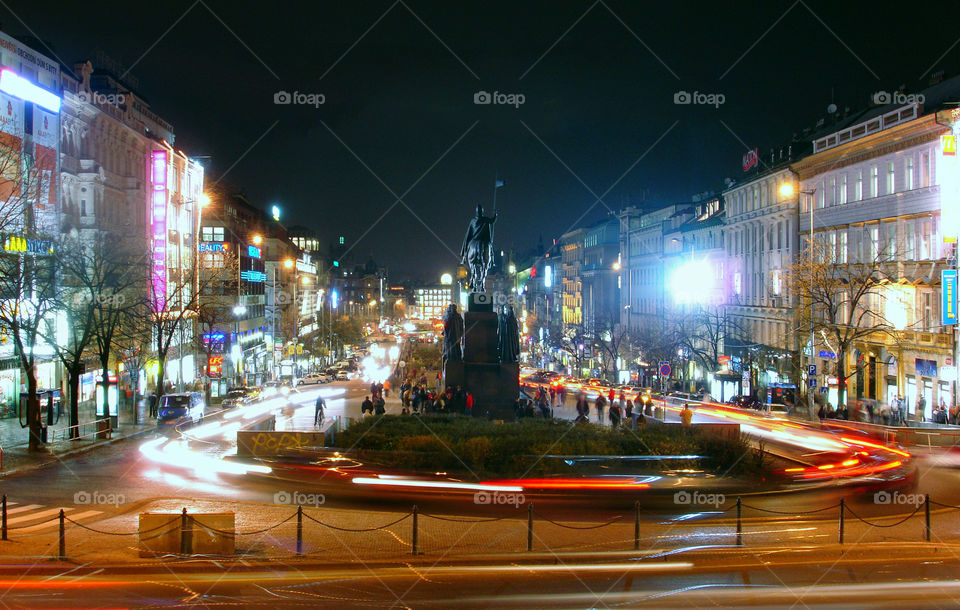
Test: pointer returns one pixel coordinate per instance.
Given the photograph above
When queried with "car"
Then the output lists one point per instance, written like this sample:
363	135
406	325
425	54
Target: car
343	375
311	379
184	407
234	398
777	409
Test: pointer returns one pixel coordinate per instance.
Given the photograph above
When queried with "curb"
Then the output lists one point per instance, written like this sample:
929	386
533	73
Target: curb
73	453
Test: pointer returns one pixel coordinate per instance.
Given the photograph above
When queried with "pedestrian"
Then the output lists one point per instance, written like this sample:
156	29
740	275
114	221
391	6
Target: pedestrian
366	405
439	381
469	403
599	406
153	405
553	396
386	388
379	405
614	414
583	409
686	416
921	406
318	411
628	411
610	395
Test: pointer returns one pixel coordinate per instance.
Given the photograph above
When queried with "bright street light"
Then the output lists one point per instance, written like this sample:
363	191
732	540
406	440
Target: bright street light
204	200
257	239
786	189
288	263
239	310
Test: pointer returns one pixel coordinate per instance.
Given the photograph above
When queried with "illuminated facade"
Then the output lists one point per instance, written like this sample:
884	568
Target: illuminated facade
432	301
876	187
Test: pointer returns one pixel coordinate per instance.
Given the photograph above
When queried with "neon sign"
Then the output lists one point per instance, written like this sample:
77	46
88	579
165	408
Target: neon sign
253	252
253	276
213	246
158	176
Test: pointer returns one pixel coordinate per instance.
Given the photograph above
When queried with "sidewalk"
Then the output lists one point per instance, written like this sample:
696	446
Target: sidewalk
16	457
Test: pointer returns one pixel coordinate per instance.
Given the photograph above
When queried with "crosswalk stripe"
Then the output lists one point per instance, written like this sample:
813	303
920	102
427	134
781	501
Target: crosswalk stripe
20	509
56	523
38	515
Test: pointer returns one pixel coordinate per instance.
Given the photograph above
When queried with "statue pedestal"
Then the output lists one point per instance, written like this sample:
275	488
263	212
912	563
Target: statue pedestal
495	386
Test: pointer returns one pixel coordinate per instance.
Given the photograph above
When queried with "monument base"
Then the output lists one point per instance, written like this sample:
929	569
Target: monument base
494	386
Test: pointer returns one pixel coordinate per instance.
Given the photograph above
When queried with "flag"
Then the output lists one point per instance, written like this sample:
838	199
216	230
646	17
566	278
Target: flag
497	184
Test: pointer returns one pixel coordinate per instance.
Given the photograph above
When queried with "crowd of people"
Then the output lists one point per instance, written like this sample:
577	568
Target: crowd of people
610	408
894	414
420	398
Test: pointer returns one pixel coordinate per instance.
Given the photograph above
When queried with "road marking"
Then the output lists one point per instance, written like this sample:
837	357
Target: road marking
39	515
51	524
21	509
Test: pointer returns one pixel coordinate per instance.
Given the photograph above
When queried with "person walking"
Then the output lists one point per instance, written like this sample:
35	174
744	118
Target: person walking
438	380
614	414
922	406
318	411
599	406
366	405
686	416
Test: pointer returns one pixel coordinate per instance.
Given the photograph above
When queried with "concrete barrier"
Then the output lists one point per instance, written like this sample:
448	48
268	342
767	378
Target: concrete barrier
262	443
207	534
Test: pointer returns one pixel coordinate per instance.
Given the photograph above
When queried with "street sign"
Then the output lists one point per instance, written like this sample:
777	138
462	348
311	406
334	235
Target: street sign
812	383
665	369
811	369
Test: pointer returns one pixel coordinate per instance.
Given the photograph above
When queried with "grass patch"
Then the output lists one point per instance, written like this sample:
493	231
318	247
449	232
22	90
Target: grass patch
464	445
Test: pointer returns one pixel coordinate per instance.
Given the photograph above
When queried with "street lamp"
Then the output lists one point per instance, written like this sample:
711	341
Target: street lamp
236	351
788	190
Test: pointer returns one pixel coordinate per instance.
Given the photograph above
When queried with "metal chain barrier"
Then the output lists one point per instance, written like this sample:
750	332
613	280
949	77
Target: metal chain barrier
250	533
861	519
367	529
439	518
147	531
792	513
575	527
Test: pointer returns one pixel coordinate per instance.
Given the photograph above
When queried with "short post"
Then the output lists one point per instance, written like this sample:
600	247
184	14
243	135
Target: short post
529	527
926	513
415	537
841	520
185	533
299	529
3	518
636	526
739	521
63	540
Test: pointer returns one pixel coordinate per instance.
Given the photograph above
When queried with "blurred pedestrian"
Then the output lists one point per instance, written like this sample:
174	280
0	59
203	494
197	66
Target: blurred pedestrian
318	411
686	416
599	404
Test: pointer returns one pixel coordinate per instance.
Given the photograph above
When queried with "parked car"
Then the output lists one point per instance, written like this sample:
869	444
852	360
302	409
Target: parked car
180	408
311	379
343	375
234	398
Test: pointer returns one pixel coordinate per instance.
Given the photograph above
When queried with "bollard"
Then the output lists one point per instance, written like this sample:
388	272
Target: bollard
3	519
185	533
636	526
529	527
926	513
415	538
841	520
63	541
739	521
299	529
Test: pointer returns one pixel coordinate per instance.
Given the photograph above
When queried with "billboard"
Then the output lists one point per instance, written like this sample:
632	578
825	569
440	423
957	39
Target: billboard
948	296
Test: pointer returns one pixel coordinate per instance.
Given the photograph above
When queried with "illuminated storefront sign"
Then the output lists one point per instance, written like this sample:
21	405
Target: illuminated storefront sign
948	175
158	176
14	84
253	276
948	294
16	243
213	246
253	252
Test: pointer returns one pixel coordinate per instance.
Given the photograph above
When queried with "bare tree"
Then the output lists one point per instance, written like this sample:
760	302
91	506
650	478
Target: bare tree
846	302
28	269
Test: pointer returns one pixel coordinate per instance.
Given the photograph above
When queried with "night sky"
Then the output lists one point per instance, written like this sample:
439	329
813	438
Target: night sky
598	120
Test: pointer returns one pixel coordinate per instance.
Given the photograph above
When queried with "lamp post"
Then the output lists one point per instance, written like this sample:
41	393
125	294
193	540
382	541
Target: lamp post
237	349
787	190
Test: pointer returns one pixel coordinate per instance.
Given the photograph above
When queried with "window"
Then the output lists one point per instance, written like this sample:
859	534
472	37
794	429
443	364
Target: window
927	310
908	172
83	207
832	247
780	235
843	189
874	180
909	247
842	248
776	283
891	177
737	283
820	195
858	194
211	234
925	238
832	193
874	233
924	169
890	241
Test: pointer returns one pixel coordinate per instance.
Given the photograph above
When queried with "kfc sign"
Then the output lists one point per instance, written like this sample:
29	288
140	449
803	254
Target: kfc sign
750	159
